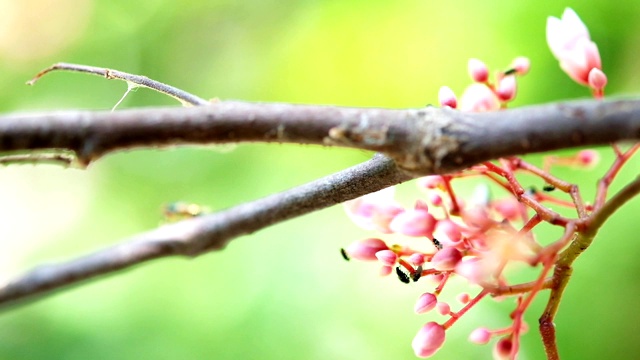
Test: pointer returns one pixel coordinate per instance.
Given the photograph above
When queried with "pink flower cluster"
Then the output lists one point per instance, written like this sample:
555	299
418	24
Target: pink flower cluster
474	241
483	95
479	238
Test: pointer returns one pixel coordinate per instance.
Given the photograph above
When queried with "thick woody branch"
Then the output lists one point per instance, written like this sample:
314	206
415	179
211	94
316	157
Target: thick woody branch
211	232
424	141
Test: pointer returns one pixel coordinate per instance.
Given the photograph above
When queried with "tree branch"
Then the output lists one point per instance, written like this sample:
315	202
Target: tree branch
211	232
422	141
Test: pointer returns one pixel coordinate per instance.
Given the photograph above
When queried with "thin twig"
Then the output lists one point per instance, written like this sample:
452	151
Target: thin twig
142	81
210	232
38	158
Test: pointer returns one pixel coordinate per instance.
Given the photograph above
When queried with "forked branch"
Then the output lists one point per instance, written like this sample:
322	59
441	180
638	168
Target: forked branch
210	232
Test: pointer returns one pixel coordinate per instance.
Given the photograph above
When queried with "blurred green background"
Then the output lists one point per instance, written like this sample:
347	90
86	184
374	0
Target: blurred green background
284	292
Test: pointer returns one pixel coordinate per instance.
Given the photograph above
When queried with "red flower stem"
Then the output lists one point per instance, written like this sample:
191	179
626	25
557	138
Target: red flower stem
607	179
525	232
511	290
545	214
445	277
407	266
457	315
616	149
455	208
565	186
522	307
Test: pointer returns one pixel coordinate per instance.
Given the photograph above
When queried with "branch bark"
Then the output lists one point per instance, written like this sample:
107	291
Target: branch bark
207	233
422	141
416	142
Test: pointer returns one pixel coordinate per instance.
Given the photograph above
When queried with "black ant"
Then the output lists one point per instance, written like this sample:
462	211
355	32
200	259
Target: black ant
417	274
344	254
402	275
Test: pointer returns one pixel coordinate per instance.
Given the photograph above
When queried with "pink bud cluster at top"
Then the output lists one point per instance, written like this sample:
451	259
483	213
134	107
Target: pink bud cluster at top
483	95
570	43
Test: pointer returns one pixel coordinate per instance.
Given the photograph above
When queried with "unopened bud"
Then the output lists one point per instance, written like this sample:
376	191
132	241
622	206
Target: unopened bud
478	70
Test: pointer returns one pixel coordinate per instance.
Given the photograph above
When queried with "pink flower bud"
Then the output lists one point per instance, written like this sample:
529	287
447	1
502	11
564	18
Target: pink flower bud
434	279
387	257
471	269
509	208
480	336
446	97
421	205
446	259
443	308
463	298
416	259
478	98
413	223
435	199
597	79
448	233
373	211
385	270
507	87
431	182
588	157
521	65
570	43
478	70
502	349
429	340
426	302
477	216
366	249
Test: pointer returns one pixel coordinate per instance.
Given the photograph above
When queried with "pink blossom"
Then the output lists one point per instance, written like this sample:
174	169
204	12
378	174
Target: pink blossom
366	249
480	336
570	43
463	298
446	259
478	98
472	270
416	259
431	182
415	222
477	216
588	157
507	88
385	270
387	257
443	308
509	208
428	340
501	248
421	205
374	211
446	97
478	70
426	302
597	79
435	279
448	233
521	65
502	349
435	199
